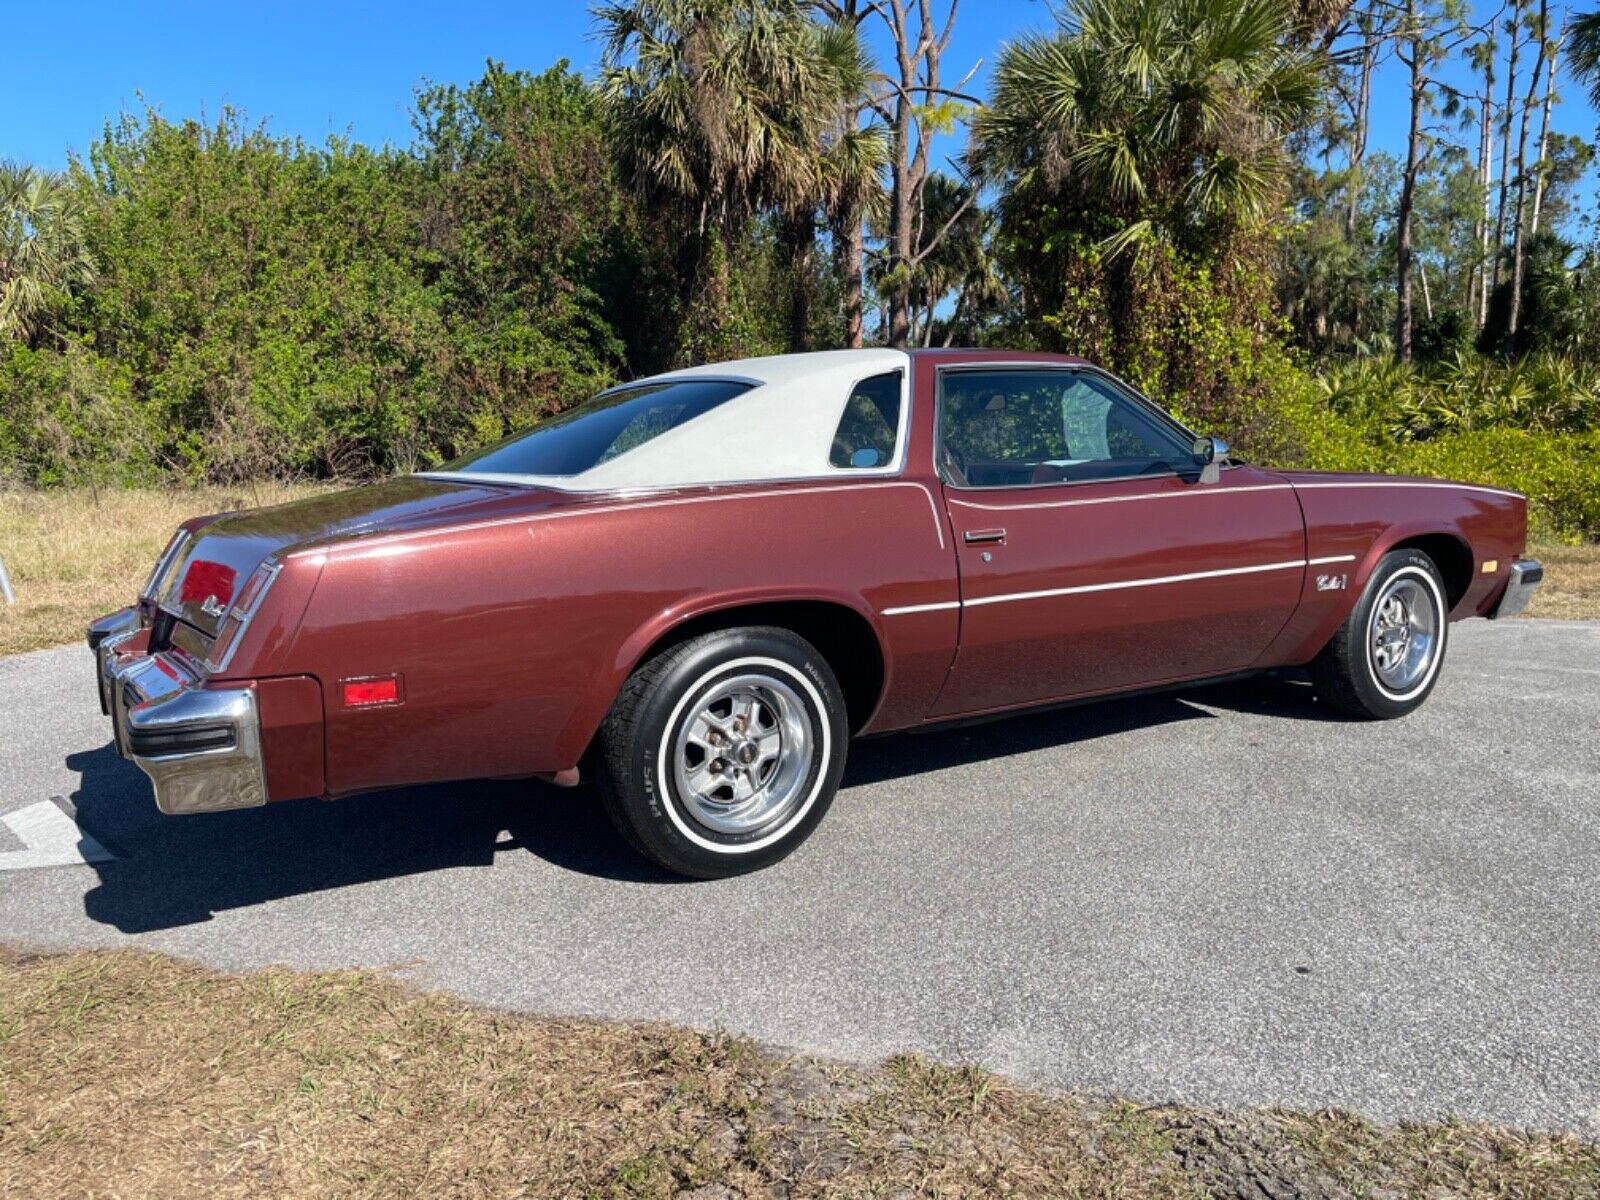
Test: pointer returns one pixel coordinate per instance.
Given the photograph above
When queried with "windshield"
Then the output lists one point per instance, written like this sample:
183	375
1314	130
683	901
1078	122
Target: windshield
600	429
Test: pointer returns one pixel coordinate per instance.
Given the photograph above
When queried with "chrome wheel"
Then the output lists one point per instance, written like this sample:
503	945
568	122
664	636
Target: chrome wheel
1403	633
742	754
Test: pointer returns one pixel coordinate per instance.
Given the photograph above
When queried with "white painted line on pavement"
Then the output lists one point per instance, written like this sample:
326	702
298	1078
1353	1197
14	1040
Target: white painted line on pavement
50	838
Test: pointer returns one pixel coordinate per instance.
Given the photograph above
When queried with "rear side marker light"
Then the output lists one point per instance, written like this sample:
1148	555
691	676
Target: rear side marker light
363	693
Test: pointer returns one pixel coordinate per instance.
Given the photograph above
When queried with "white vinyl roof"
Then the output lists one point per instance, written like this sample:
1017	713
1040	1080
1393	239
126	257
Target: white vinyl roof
782	428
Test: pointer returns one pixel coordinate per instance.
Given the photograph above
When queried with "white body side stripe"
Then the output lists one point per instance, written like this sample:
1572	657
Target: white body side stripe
1412	483
1150	581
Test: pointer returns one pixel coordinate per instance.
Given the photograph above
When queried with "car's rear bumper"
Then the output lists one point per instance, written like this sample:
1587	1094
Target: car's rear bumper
1526	575
200	745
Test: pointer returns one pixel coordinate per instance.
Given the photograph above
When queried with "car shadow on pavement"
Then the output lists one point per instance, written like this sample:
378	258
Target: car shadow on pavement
173	871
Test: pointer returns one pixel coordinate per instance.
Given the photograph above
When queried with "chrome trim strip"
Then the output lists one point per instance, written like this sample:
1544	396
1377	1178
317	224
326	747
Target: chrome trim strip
941	606
1151	581
243	616
156	583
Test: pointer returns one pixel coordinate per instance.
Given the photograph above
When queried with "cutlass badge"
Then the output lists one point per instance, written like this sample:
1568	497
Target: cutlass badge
1331	583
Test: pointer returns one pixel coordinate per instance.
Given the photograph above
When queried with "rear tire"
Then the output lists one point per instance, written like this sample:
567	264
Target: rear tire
1385	658
721	754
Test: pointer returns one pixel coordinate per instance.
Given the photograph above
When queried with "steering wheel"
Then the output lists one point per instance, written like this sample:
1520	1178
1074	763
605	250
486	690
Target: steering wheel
1158	467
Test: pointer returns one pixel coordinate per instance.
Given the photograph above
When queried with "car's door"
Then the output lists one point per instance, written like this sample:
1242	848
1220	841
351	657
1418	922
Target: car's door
1093	556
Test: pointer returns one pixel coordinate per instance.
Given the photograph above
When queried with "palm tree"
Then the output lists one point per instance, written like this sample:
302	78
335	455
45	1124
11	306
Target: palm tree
42	251
715	108
1166	118
1583	55
849	162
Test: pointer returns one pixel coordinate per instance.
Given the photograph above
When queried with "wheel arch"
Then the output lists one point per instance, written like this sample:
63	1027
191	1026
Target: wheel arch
1448	549
843	633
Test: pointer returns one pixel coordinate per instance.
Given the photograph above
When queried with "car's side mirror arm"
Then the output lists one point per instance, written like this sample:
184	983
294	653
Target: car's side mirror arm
1208	455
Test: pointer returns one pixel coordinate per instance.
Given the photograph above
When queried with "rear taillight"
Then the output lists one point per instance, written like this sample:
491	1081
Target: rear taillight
208	583
238	618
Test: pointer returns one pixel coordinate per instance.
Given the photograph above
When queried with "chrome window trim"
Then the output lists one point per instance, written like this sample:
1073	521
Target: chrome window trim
157	579
1139	400
896	465
244	616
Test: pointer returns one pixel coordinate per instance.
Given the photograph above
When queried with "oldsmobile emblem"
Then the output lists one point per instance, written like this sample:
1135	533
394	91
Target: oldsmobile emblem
211	607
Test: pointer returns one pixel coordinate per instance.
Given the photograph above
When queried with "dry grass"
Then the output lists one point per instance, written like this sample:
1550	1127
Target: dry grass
74	555
134	1075
1571	586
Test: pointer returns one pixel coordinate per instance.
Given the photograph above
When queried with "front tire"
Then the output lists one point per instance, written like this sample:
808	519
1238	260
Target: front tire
721	754
1385	658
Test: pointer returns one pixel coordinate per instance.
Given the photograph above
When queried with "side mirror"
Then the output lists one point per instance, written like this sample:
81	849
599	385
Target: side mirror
1208	455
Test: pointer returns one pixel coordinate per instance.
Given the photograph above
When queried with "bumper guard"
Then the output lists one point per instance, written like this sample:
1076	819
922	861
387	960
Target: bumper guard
1526	575
200	746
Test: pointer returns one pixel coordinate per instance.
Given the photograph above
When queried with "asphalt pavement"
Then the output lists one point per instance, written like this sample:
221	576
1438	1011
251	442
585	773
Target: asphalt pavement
1222	896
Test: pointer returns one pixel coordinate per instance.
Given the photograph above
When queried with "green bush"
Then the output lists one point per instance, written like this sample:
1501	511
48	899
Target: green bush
1533	427
69	417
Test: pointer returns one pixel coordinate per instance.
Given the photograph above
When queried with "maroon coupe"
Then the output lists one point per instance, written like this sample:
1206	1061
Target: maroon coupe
696	588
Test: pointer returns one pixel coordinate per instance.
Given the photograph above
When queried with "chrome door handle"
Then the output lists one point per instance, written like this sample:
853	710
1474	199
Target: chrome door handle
984	535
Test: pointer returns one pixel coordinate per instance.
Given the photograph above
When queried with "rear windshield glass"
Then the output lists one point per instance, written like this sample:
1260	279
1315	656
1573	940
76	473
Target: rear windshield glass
598	430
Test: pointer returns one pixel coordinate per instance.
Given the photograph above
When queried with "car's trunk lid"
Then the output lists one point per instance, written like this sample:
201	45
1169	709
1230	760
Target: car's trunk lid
215	565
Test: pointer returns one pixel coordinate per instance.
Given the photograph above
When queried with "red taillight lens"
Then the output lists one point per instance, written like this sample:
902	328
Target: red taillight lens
358	692
206	579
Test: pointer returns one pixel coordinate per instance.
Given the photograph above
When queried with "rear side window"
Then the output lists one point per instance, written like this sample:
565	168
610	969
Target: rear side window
869	426
600	429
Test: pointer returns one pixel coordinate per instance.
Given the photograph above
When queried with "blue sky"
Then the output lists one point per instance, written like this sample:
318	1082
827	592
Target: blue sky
320	69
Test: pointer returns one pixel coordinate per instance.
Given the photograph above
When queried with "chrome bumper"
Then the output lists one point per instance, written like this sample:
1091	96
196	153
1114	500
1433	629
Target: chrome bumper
200	746
1526	575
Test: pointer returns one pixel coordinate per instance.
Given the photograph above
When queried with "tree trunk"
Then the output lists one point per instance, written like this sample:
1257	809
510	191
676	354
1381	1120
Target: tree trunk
798	238
1478	282
848	245
1519	244
1408	196
1358	140
900	212
1544	130
917	57
1505	142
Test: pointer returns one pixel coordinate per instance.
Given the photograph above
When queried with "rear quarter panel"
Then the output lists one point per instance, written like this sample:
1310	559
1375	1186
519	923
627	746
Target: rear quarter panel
1360	518
512	637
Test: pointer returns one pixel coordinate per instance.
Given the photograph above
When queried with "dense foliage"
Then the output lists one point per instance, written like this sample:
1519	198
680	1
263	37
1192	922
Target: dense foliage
1179	189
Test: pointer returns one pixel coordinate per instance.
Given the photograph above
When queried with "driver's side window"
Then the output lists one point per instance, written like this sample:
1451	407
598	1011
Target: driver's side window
1019	427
